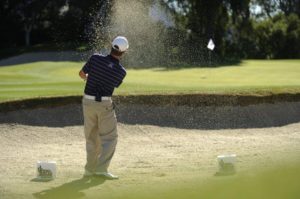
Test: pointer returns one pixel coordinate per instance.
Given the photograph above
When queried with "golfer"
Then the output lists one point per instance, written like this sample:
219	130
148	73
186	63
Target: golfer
102	74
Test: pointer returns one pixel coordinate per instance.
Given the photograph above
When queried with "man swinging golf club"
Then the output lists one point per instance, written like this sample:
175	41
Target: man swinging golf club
102	74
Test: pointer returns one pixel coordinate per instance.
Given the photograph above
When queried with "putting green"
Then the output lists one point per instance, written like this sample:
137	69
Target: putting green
39	79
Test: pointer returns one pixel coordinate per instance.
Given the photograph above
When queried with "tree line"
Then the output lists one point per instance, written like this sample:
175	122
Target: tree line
240	29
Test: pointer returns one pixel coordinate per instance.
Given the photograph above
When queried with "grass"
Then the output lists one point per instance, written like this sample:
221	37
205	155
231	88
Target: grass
276	183
40	79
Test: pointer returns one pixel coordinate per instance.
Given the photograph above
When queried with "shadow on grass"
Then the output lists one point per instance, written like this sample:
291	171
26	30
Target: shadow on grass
184	65
52	54
56	56
11	53
71	189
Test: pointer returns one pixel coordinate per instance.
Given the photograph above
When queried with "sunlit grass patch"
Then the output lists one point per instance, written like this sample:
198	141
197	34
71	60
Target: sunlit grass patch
61	78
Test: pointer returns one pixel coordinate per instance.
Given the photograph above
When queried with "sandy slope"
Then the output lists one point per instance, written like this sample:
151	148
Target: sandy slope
146	155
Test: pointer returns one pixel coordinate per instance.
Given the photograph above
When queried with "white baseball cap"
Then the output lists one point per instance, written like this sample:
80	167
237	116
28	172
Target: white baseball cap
120	44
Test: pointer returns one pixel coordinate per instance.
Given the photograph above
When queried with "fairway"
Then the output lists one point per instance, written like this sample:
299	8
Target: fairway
40	79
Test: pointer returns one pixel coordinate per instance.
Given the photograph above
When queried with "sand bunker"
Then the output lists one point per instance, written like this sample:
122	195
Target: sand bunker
203	117
158	145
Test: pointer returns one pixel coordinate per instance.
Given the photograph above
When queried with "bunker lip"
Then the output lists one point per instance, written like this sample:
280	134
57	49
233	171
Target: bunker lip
189	100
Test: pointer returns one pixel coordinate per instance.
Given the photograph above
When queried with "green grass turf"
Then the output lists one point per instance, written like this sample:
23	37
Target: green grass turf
280	182
277	183
41	79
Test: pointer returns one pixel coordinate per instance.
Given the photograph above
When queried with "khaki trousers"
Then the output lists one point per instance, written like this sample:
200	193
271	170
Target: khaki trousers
100	129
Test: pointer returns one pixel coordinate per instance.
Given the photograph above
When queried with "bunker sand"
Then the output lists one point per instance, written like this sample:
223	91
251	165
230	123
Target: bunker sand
146	156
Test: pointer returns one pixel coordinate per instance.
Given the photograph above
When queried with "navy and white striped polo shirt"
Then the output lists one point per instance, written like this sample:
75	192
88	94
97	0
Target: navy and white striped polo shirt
105	73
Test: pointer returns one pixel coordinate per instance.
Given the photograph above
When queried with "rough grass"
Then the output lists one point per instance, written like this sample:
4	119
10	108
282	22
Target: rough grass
61	78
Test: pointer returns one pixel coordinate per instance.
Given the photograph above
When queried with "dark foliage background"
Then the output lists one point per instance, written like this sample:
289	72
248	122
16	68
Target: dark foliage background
241	29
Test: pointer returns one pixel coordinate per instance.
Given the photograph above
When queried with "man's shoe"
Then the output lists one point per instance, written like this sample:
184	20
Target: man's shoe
107	175
88	173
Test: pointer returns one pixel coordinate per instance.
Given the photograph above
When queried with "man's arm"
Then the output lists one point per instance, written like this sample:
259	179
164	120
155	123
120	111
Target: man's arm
82	75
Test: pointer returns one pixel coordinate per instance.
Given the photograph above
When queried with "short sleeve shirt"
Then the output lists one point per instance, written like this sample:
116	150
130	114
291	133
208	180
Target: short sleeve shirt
105	73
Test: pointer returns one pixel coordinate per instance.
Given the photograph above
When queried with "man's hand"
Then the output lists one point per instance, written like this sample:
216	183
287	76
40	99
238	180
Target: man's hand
83	75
